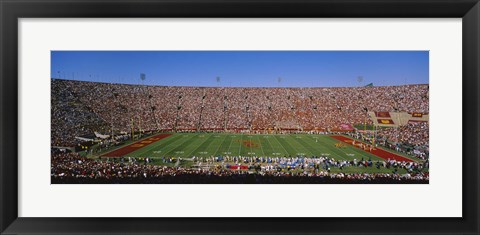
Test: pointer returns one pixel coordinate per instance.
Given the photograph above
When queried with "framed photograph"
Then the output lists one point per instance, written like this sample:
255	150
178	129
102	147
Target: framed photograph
248	126
239	117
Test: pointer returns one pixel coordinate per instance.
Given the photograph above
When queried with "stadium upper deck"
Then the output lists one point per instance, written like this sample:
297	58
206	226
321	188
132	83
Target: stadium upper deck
83	107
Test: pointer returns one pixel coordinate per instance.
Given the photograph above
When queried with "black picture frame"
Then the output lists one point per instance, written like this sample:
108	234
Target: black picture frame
11	11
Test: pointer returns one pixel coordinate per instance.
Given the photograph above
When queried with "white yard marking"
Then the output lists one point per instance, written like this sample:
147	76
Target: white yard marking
221	143
230	145
361	153
261	148
240	148
286	152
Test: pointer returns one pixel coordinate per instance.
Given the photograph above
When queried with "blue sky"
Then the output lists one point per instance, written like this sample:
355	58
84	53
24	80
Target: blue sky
244	68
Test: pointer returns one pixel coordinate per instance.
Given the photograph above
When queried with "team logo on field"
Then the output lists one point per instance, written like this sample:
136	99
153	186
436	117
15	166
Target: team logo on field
249	143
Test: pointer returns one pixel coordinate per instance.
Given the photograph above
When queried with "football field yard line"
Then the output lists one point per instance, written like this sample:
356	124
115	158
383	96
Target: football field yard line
208	145
373	156
318	145
241	142
286	152
251	150
364	153
295	139
252	145
322	146
260	144
271	146
188	144
306	145
223	141
286	145
200	145
267	142
348	147
353	150
187	139
222	146
277	146
147	148
229	146
175	146
334	149
152	147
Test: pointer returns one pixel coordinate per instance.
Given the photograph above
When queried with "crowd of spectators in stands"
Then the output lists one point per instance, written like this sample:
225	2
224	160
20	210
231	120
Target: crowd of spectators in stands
72	168
83	107
411	139
415	133
70	117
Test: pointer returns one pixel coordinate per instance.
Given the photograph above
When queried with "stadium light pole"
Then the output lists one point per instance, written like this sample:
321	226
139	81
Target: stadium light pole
142	77
365	119
360	80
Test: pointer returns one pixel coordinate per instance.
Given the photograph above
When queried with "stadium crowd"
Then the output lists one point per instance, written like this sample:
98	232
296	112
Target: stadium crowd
411	139
70	117
72	168
415	134
83	107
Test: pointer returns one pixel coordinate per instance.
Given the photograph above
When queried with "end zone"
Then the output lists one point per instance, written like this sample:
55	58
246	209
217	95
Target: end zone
135	146
376	151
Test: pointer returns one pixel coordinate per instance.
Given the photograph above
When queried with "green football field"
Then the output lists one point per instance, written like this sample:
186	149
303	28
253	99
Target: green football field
186	145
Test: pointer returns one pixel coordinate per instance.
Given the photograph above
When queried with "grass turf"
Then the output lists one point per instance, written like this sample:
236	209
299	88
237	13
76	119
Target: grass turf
186	145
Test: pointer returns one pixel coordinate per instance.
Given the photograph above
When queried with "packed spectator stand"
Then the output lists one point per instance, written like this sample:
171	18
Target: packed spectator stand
80	108
70	168
84	107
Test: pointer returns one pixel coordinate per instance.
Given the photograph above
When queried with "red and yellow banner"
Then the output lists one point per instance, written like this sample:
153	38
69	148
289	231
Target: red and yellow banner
382	114
385	121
